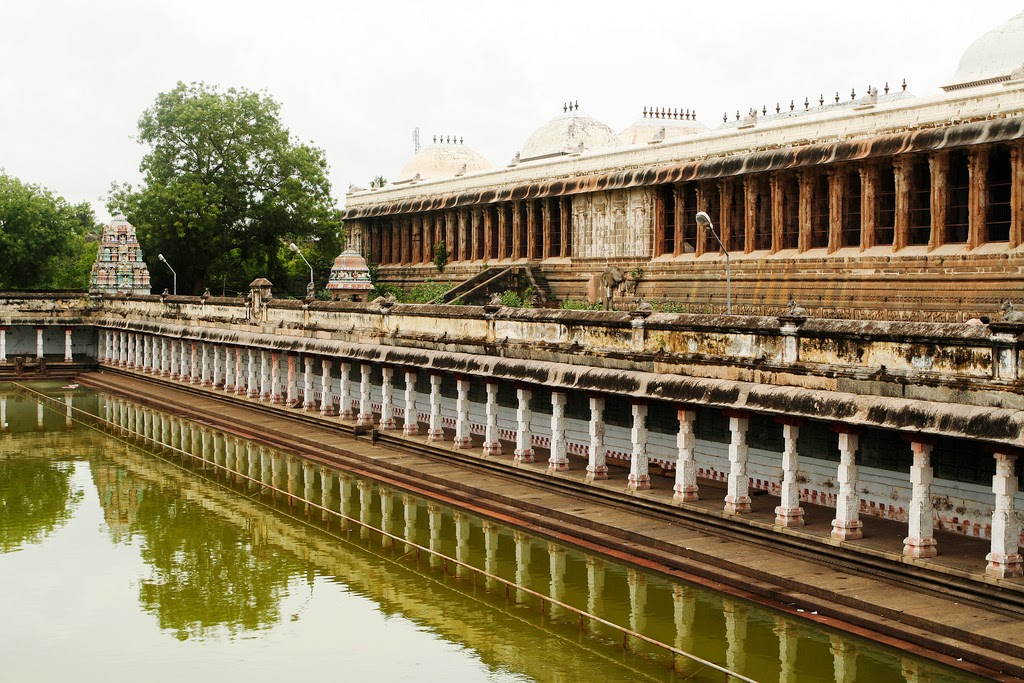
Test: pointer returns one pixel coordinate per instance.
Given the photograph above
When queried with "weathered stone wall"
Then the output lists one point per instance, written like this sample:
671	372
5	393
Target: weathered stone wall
616	224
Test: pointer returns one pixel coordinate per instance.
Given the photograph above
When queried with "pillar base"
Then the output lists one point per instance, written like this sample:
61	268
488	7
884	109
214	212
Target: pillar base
240	391
254	393
329	411
386	424
523	455
492	448
737	505
207	383
435	435
1003	566
278	399
685	494
597	473
789	516
558	466
347	414
309	407
847	531
364	420
462	442
639	483
172	375
411	430
920	547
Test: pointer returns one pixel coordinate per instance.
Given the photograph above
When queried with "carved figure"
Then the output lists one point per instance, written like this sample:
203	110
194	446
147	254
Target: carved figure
1011	314
795	310
612	279
643	306
496	300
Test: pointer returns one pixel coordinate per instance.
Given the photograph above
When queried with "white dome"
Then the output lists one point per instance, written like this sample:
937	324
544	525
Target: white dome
992	57
443	160
571	132
649	129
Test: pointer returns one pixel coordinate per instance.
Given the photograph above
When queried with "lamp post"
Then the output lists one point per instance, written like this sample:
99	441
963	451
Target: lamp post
311	288
161	257
704	221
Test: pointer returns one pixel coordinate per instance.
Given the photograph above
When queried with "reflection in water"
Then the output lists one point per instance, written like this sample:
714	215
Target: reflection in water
36	497
222	555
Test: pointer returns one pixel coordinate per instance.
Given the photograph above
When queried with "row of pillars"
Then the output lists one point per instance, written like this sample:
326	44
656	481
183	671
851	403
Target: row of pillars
40	329
255	373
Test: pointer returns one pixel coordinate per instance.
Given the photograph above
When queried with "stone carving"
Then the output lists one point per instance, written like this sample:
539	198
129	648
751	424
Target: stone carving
495	300
1011	314
643	306
795	310
612	278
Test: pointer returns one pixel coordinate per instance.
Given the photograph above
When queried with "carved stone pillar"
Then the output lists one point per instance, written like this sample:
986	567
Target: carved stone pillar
254	384
725	189
1016	194
462	245
789	513
977	199
524	433
901	169
805	181
531	234
492	444
501	228
868	191
1004	560
326	384
345	390
410	427
462	426
777	183
847	525
558	460
387	411
545	222
517	230
920	541
639	477
365	418
204	364
434	430
938	167
292	388
275	377
678	219
265	387
597	467
685	489
750	207
836	188
737	499
240	381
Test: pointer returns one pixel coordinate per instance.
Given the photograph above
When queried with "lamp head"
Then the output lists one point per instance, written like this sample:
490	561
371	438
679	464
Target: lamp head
293	247
161	257
704	221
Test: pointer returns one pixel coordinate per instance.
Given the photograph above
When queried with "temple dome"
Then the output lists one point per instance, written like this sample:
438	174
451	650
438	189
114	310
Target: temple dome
443	160
648	129
573	131
992	58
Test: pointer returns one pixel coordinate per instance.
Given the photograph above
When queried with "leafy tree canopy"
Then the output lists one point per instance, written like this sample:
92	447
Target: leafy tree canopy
225	188
45	242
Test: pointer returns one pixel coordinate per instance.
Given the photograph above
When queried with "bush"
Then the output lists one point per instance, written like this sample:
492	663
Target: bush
577	305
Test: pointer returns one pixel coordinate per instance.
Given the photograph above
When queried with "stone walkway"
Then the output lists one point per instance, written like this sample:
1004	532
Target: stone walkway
944	607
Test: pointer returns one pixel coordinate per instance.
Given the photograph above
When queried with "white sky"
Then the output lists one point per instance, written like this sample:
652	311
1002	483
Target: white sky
356	78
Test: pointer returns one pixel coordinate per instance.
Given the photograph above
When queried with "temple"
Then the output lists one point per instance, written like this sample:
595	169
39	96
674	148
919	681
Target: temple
877	204
119	268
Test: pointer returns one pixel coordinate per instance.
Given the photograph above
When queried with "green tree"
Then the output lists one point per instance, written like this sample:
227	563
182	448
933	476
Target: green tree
225	188
44	240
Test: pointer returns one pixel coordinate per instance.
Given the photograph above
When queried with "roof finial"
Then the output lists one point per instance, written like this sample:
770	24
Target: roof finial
577	105
764	110
837	97
694	114
778	107
904	85
887	87
821	100
435	138
737	114
645	111
792	105
807	104
853	93
725	117
460	139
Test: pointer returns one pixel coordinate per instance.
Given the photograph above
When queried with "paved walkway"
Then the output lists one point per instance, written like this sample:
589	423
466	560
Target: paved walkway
944	607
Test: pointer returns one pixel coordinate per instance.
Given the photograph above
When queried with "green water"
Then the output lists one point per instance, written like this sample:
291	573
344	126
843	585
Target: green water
119	562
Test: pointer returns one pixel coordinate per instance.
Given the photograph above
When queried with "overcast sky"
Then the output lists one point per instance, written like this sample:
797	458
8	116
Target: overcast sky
356	78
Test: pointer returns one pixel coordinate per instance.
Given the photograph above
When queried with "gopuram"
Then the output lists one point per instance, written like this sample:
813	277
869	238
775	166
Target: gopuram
119	268
868	205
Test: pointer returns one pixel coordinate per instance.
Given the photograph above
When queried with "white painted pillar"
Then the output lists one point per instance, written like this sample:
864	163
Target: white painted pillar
345	390
68	356
597	454
920	540
1004	560
254	385
129	349
462	435
240	377
737	499
204	364
140	351
215	366
365	417
308	402
165	357
492	444
3	345
789	513
558	461
847	525
292	390
185	358
147	353
172	362
326	386
229	369
265	389
524	431
39	342
434	430
387	405
410	426
685	489
639	476
193	362
275	377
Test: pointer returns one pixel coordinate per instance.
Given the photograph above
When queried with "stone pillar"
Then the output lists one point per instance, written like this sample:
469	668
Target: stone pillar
165	357
204	364
215	366
920	516
901	168
735	634
275	377
308	403
1004	560
410	506
1016	194
737	499
387	409
847	525
639	479
836	189
492	444
434	429
777	184
938	167
410	426
524	548
240	379
556	572
685	489
805	181
291	398
185	359
365	417
558	460
193	363
977	197
326	384
597	466
868	189
266	390
229	369
462	427
129	350
68	357
345	390
524	433
788	638
254	385
3	345
517	227
39	341
789	513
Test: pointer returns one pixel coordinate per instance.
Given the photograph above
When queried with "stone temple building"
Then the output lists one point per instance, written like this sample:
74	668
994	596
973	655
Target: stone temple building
876	204
119	268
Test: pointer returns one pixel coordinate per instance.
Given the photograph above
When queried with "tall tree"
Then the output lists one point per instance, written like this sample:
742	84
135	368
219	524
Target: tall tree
43	238
225	186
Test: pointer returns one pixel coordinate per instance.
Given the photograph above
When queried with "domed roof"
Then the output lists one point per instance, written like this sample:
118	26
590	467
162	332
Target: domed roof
573	131
443	160
993	57
650	127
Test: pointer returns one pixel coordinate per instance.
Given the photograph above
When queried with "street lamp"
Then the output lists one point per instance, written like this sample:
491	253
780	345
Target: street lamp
161	257
295	248
704	221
